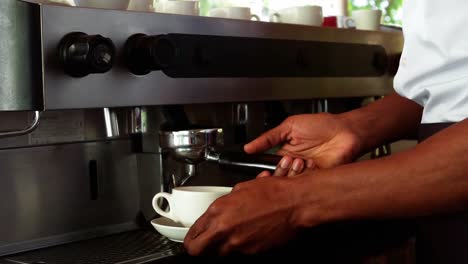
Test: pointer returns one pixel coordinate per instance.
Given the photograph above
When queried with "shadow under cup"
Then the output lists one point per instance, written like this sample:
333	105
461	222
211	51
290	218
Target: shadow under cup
187	204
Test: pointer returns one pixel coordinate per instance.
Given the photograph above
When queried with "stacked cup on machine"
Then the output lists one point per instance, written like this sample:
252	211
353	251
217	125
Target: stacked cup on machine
311	15
233	12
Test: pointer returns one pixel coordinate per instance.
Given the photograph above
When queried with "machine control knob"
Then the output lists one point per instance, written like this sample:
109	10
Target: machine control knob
82	54
145	54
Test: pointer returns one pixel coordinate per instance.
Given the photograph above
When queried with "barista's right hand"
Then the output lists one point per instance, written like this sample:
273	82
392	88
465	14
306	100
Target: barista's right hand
309	141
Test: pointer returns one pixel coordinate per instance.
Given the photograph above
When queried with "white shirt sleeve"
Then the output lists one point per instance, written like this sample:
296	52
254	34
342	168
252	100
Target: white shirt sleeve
434	64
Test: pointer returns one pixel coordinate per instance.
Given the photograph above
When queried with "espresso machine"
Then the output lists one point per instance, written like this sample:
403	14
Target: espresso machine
100	109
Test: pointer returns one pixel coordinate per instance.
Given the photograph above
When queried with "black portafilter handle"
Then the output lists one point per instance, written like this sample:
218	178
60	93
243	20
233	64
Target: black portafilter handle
243	160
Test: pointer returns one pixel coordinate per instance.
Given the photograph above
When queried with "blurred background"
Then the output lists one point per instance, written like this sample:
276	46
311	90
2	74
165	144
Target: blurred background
392	9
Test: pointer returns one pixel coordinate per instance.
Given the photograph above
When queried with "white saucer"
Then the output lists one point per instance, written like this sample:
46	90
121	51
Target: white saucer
170	229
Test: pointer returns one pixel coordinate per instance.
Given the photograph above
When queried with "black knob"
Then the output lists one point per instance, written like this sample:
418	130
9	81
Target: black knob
82	54
145	54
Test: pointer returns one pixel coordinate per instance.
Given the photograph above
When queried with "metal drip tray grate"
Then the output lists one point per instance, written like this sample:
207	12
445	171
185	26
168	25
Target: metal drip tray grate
131	247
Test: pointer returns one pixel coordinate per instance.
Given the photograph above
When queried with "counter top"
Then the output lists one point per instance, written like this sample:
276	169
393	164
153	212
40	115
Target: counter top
359	243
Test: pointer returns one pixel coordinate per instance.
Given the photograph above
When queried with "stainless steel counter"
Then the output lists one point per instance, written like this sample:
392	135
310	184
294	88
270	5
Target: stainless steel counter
356	243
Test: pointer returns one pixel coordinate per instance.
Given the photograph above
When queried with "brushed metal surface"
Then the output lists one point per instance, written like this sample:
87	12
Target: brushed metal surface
138	247
20	56
61	127
45	193
121	88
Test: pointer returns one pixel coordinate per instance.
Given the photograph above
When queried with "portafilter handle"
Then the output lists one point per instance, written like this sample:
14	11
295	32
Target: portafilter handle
243	160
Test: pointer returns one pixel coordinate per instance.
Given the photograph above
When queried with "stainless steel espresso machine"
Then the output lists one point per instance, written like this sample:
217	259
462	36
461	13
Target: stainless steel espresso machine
88	97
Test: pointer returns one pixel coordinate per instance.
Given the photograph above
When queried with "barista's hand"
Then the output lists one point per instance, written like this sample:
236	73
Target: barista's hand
314	140
289	166
256	216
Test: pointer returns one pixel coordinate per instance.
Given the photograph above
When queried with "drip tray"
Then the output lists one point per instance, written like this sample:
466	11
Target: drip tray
134	247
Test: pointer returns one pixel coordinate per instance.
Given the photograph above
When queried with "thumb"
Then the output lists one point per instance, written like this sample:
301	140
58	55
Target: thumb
268	140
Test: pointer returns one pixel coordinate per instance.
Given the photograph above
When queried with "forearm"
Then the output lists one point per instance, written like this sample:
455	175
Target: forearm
387	120
431	178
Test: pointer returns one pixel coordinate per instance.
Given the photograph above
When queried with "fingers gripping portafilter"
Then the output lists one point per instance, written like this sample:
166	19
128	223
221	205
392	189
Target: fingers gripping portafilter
199	145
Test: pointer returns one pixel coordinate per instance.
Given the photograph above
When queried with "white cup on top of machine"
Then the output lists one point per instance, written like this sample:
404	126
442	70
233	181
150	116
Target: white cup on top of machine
141	5
311	15
367	19
234	12
181	7
345	22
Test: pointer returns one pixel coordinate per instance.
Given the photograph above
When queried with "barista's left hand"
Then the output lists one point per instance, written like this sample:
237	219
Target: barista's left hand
290	167
256	216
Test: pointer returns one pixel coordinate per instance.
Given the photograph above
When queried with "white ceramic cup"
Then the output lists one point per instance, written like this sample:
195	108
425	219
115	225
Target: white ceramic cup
141	5
234	12
306	15
108	4
187	204
345	22
190	8
367	19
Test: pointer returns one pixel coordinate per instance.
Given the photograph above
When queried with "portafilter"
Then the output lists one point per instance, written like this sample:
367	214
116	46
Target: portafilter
198	145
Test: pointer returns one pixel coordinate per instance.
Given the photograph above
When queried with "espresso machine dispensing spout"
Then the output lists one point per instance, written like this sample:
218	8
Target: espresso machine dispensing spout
199	145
